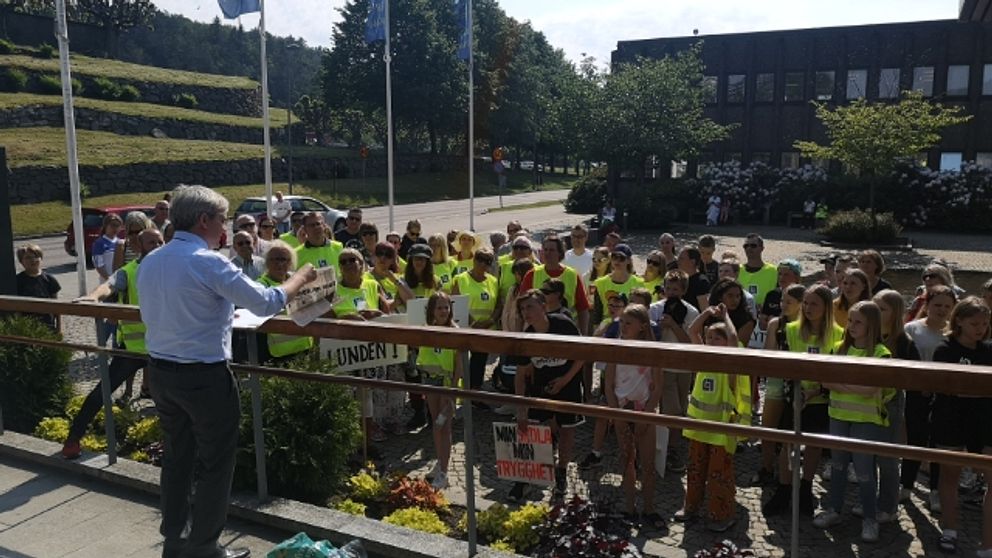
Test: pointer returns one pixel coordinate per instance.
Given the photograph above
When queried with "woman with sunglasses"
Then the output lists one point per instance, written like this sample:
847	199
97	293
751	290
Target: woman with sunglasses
419	273
384	272
444	265
654	275
600	268
134	223
933	275
267	229
360	298
369	234
621	279
484	307
280	260
410	237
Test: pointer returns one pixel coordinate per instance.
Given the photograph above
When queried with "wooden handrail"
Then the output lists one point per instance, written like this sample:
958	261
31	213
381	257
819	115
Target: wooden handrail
915	375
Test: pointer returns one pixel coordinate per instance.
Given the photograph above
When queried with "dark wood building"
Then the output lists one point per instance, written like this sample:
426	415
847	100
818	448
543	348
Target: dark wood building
764	82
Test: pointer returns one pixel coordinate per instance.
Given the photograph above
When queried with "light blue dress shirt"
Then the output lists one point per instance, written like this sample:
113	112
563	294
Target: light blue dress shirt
188	295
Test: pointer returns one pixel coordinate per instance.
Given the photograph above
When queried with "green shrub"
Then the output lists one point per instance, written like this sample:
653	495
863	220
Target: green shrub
185	100
49	84
130	93
856	226
418	519
367	486
107	89
489	523
350	506
140	456
520	528
124	418
46	51
7	47
53	429
311	430
145	431
35	381
12	80
588	193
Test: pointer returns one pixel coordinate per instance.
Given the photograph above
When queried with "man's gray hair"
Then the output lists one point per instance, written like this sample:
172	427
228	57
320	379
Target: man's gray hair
137	220
189	202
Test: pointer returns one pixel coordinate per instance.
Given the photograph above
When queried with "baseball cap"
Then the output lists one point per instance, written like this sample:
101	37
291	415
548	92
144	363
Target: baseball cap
420	250
624	249
793	266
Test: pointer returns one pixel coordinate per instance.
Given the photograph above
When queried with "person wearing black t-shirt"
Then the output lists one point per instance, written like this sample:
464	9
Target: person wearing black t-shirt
962	422
350	235
35	282
549	378
690	262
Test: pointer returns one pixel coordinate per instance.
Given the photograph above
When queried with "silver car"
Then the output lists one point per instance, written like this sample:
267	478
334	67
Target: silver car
255	206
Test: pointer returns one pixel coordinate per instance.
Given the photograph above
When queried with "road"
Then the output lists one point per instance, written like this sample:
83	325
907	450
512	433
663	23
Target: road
440	216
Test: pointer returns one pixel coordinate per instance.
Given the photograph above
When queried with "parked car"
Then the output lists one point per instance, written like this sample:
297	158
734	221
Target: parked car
93	221
255	206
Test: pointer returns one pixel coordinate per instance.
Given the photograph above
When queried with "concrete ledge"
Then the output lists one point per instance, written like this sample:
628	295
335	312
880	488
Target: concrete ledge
380	539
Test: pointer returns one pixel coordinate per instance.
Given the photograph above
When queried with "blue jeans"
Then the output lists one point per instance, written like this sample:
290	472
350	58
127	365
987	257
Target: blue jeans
888	467
864	466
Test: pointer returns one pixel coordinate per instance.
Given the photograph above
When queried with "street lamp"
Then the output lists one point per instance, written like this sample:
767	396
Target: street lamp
290	49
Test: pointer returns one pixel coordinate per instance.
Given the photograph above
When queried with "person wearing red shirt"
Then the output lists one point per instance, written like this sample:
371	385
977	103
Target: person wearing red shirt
575	292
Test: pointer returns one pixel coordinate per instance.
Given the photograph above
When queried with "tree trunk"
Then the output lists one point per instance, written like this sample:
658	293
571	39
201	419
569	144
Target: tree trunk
432	133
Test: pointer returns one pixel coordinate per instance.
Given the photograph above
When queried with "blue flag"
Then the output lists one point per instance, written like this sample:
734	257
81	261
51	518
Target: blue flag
233	9
461	14
375	25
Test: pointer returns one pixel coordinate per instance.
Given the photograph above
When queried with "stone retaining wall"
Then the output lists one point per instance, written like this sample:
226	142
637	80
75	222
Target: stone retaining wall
41	184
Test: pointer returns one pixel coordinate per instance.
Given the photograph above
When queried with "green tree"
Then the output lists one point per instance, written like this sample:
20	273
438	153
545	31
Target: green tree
314	114
870	138
653	108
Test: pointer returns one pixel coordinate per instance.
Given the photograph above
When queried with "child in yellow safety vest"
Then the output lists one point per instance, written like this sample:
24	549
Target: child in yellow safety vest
857	412
440	367
716	397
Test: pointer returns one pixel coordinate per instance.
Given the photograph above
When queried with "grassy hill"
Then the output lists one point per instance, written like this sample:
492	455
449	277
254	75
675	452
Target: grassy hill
115	69
28	147
277	116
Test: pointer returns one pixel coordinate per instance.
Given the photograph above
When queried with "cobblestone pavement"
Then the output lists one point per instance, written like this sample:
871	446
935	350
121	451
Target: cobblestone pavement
915	533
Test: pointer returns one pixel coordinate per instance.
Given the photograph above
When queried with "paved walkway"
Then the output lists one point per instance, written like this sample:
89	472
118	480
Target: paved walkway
45	513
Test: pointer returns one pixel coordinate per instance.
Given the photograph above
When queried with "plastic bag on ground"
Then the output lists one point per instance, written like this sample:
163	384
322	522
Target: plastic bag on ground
302	546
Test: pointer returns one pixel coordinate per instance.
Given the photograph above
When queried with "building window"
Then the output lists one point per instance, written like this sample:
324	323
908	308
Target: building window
764	88
709	85
678	169
736	88
790	160
793	86
888	83
857	84
957	80
950	161
984	159
923	80
705	161
987	80
824	86
761	157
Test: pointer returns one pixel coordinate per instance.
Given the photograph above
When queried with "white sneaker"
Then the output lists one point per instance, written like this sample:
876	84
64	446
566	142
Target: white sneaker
826	518
869	530
934	501
440	481
505	410
904	495
885	517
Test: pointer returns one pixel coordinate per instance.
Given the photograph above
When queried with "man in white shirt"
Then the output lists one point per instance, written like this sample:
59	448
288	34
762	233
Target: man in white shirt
281	210
578	258
253	266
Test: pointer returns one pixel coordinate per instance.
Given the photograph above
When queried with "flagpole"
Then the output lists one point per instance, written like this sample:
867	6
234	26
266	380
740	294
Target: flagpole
389	119
62	34
265	111
471	124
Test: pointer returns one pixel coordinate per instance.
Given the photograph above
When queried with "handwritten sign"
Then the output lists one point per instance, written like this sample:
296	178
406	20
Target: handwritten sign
313	295
416	309
524	456
348	355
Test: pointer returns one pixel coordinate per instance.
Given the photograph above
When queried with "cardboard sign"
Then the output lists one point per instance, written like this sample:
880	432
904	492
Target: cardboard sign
348	355
526	457
311	295
416	309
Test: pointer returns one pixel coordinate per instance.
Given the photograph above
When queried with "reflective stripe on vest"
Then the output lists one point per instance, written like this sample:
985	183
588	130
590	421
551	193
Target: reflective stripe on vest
852	407
281	345
437	363
132	333
713	400
813	346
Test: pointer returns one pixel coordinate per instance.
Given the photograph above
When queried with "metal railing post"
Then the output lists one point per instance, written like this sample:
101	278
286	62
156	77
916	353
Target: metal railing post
797	406
469	463
256	419
107	395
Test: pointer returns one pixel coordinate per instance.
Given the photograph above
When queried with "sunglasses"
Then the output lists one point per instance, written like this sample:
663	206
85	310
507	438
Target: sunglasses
242	243
347	261
244	226
487	261
656	263
521	247
601	260
750	245
384	254
354	218
267	226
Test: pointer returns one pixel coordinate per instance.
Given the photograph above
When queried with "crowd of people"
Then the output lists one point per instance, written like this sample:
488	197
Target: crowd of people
685	294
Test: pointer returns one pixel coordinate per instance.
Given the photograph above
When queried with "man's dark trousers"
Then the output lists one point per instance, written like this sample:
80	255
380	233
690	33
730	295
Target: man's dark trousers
200	412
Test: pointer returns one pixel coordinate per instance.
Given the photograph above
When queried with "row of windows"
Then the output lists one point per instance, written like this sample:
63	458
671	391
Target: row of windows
949	160
856	88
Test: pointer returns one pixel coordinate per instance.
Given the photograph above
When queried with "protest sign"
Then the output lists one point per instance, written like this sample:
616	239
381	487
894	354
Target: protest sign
524	456
416	309
311	301
348	355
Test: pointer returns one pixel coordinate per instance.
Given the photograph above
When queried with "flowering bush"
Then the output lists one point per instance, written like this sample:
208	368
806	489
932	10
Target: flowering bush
144	432
53	429
754	189
949	199
582	528
368	486
350	506
415	493
856	226
416	518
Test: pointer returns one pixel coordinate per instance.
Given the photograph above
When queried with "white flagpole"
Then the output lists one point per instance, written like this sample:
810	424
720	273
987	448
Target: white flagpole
265	112
389	119
62	32
471	124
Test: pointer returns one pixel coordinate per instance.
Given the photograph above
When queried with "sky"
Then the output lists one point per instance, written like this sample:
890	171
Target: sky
593	27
